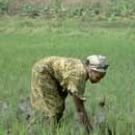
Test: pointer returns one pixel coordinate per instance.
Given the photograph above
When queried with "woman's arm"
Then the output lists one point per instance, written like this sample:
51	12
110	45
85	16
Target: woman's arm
79	103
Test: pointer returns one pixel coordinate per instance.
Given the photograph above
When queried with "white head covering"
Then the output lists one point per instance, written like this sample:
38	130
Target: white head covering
98	63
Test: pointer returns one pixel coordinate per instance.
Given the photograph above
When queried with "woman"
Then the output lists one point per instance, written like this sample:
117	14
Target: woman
53	78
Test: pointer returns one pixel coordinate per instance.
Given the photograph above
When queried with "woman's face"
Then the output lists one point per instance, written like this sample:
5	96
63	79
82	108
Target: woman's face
95	76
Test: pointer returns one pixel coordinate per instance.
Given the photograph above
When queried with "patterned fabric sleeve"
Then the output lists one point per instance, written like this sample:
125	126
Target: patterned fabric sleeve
77	87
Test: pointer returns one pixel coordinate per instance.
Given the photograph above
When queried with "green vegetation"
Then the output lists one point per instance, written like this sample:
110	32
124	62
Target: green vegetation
103	9
24	41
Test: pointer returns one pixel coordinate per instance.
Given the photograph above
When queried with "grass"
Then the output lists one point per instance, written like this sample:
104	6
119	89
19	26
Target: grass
24	41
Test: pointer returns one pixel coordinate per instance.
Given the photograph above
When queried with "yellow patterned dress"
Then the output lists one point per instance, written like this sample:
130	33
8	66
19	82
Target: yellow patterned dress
52	79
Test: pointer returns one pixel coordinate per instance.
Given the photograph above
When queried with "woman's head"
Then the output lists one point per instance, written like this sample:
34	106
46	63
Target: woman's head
96	66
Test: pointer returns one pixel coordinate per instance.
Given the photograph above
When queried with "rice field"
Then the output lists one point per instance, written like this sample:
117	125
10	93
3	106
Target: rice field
24	41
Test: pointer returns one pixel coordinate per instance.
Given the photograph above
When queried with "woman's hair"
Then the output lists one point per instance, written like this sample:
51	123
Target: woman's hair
87	62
